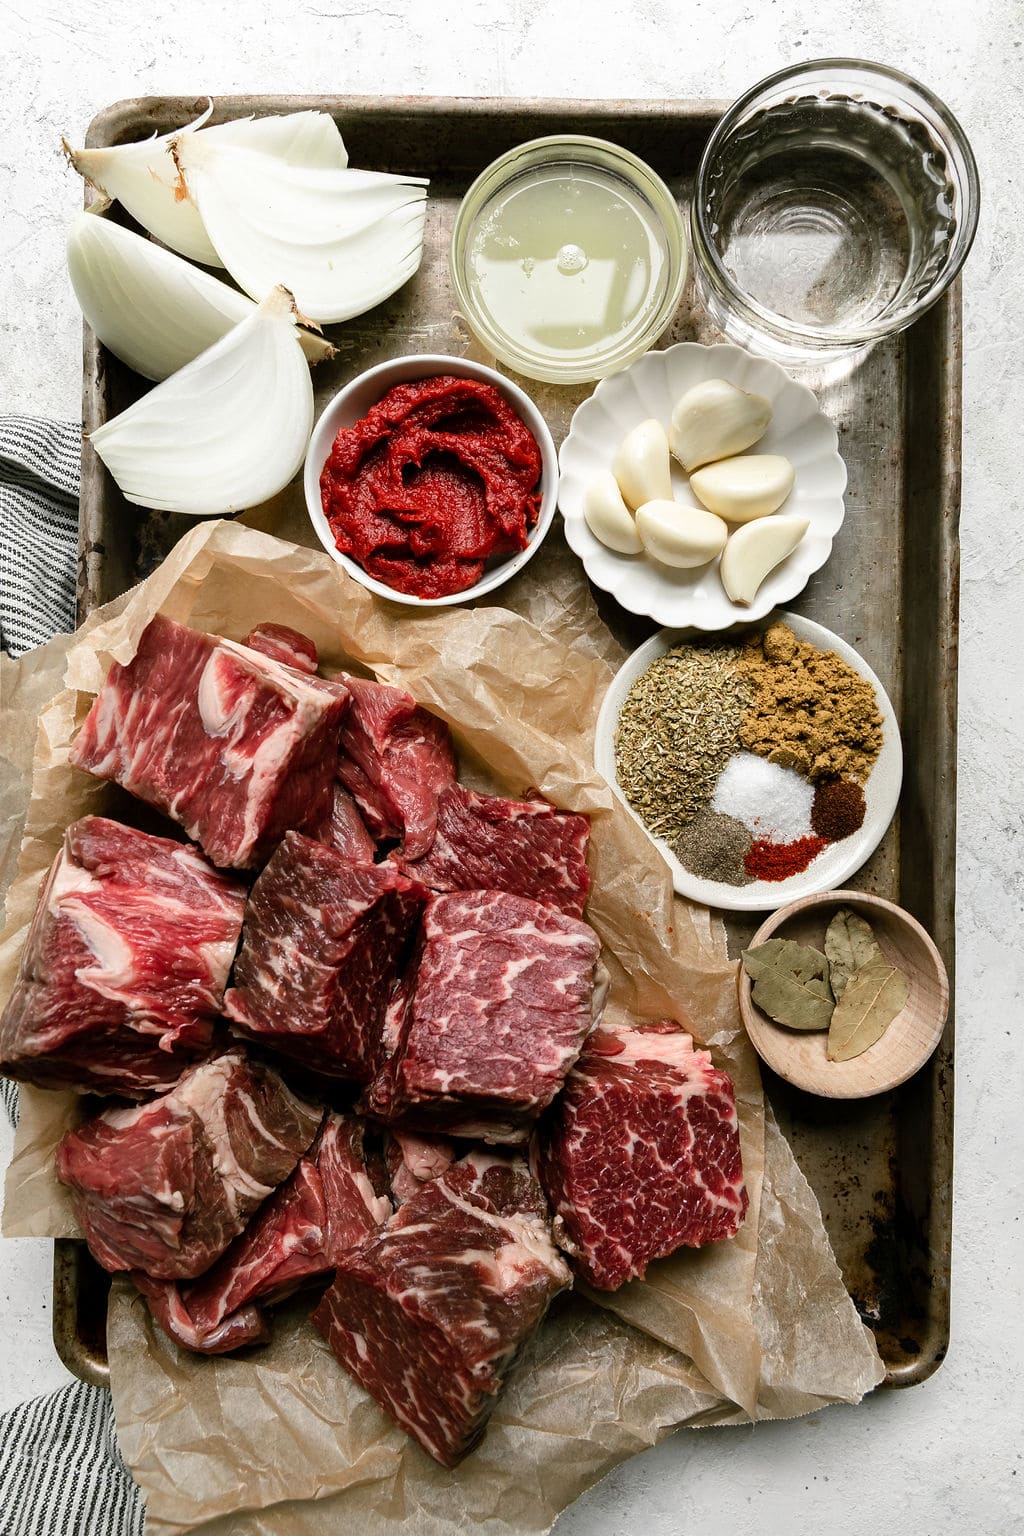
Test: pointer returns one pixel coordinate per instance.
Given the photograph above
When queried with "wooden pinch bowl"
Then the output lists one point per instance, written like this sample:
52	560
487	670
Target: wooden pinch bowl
800	1056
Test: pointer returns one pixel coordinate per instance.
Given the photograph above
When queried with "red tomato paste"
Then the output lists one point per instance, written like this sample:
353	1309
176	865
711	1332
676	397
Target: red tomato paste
438	477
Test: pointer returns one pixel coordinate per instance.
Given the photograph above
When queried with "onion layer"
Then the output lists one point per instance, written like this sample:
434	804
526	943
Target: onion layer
153	310
144	179
228	431
340	241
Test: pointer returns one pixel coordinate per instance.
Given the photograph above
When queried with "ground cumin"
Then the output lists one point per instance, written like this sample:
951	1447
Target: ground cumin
811	711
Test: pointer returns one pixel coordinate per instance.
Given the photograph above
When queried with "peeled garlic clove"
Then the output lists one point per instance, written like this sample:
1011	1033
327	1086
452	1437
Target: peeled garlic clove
741	489
714	420
607	516
642	466
755	550
681	536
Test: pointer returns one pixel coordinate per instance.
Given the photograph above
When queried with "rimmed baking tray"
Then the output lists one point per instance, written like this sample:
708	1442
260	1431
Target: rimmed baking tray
881	1167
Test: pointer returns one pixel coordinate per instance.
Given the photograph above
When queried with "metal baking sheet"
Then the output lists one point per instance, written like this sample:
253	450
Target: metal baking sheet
881	1168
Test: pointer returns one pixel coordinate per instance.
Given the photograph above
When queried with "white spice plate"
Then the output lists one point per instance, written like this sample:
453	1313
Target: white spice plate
799	430
837	861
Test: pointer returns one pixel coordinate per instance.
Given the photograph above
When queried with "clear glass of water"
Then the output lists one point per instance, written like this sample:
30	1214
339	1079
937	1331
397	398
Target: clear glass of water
834	203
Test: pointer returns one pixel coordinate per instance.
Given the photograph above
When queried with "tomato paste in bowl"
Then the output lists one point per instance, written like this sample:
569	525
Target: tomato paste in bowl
431	479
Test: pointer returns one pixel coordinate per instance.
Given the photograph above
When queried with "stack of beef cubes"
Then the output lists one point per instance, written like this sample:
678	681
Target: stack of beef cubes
351	1032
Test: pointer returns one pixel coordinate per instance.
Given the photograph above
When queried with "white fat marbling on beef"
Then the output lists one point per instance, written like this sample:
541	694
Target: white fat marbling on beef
242	1328
125	965
165	1187
225	739
481	1034
431	1312
641	1154
206	1094
285	645
327	1204
526	847
322	946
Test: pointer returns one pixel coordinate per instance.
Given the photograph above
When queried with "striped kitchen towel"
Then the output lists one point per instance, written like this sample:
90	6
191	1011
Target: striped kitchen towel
60	1470
61	1473
39	467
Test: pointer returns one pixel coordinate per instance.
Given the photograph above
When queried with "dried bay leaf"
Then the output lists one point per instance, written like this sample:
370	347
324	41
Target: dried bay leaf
790	983
849	943
873	996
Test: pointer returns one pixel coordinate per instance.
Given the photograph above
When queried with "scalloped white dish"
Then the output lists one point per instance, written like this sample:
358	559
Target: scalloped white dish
835	863
799	430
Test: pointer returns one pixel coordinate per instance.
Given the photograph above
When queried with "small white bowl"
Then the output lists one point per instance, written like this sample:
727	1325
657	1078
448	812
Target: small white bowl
833	864
799	430
352	402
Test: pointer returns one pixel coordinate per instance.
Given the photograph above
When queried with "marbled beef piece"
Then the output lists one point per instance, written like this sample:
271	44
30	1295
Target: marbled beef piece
430	1313
395	758
484	1026
242	1328
641	1153
228	742
344	830
165	1187
487	843
327	1205
413	1161
322	944
125	965
285	645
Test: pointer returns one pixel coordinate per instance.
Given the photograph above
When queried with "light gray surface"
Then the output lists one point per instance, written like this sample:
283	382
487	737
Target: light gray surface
944	1457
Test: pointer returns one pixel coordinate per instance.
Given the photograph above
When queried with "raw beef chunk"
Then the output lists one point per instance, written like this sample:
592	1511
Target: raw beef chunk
165	1187
528	847
395	758
642	1153
228	742
284	645
321	947
344	830
246	1326
413	1161
327	1205
484	1028
125	964
430	1312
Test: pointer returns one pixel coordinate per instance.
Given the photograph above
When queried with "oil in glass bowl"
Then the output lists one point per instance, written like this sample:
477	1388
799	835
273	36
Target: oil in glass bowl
569	258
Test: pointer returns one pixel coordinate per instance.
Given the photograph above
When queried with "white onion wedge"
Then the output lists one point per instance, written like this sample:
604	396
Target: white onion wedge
153	310
340	241
227	431
144	179
297	138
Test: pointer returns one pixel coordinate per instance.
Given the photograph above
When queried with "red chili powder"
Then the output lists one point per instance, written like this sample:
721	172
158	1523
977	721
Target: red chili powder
777	861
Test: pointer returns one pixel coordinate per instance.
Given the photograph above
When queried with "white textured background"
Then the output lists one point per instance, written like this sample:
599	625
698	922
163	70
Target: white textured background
944	1457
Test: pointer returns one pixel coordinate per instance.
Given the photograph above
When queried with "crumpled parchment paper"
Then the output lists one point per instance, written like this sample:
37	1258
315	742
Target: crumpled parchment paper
283	1441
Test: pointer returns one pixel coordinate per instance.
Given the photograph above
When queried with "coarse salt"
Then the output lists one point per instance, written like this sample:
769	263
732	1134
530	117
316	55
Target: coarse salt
774	802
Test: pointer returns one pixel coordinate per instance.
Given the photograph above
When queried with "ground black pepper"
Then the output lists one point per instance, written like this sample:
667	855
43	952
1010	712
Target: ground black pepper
713	847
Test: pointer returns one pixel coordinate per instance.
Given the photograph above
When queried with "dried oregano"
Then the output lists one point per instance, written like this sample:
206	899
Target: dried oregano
677	729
